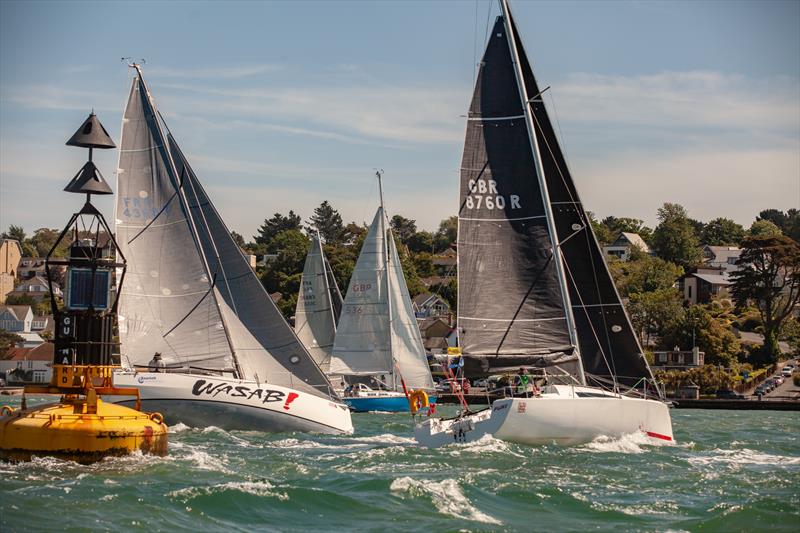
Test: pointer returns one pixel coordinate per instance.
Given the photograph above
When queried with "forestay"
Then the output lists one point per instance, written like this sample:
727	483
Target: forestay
319	304
510	305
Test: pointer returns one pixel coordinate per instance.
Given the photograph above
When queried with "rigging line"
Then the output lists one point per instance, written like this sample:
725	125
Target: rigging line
522	302
182	320
558	123
611	367
164	208
470	191
185	165
475	47
488	16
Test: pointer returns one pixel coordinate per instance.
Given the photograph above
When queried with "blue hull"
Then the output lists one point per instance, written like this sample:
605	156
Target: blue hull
389	404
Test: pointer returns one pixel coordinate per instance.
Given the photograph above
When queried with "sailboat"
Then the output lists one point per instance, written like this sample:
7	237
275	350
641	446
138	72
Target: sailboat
200	336
378	340
319	305
534	294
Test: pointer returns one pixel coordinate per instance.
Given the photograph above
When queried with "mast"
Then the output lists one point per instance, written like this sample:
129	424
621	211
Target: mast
537	158
192	224
327	283
378	174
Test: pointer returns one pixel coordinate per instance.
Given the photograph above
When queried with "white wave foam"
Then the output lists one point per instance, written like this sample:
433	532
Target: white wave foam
744	456
386	438
180	427
446	495
256	488
486	444
628	443
205	461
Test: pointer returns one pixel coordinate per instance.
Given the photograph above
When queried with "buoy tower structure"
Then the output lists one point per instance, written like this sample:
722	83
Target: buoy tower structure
80	426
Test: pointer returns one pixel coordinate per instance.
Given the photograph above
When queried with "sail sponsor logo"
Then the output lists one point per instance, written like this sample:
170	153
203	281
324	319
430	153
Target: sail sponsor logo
209	388
136	207
483	194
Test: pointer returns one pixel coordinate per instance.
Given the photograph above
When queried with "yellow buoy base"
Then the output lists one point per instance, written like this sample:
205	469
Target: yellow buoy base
68	430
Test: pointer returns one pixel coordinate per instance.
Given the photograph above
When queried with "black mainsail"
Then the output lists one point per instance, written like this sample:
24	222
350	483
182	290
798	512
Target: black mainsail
511	300
511	310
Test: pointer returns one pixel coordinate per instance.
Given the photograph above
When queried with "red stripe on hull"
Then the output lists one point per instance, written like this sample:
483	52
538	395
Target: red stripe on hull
658	435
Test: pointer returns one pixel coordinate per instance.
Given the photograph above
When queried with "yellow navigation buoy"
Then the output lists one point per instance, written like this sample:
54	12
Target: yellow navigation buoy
81	427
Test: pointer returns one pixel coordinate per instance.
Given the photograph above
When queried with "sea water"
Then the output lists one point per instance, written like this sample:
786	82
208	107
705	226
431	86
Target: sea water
729	471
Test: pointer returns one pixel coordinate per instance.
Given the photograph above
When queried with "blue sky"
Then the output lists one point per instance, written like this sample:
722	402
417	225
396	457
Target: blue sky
281	105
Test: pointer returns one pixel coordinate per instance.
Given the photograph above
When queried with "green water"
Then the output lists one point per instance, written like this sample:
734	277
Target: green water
730	471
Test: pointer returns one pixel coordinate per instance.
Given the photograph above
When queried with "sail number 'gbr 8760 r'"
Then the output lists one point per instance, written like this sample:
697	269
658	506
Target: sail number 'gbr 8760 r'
483	194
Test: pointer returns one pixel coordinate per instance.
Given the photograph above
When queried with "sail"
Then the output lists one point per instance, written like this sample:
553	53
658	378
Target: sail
406	339
362	344
510	304
318	306
608	345
167	303
265	346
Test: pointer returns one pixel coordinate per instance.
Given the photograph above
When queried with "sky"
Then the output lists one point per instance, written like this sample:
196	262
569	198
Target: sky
281	105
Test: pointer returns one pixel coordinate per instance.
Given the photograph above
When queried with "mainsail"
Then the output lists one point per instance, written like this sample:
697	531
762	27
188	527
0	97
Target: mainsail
319	304
511	308
377	332
194	297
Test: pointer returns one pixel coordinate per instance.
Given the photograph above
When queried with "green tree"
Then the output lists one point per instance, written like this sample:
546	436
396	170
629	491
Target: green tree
43	240
238	239
653	313
769	277
423	264
272	226
7	341
644	274
601	231
448	291
710	335
722	232
447	233
674	238
328	222
764	228
283	273
617	225
404	228
14	232
421	241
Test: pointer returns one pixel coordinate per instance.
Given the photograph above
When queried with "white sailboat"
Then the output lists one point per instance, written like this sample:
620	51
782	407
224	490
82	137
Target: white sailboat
319	305
534	290
226	355
378	338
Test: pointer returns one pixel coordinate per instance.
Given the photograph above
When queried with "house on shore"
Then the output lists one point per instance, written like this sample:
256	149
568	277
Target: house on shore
722	257
28	365
429	305
705	284
19	319
10	256
37	288
622	247
678	359
437	335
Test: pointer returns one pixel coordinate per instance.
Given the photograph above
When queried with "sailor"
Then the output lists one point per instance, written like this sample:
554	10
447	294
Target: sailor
157	364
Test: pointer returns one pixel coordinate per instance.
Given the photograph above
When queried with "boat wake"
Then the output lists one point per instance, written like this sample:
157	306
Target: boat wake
744	456
636	442
446	496
485	445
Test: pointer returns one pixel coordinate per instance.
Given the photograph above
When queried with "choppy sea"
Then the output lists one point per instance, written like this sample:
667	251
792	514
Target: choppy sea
730	471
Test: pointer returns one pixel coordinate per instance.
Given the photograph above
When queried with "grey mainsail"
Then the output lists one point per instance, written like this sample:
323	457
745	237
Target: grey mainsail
608	345
167	304
319	304
377	332
195	298
511	309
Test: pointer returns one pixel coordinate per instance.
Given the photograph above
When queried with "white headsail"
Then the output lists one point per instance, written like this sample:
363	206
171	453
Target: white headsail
318	306
377	331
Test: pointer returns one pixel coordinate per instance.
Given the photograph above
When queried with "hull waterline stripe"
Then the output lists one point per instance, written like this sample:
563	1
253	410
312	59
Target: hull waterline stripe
658	435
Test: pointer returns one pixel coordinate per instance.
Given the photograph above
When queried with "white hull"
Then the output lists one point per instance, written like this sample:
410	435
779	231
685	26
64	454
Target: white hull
562	414
201	401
